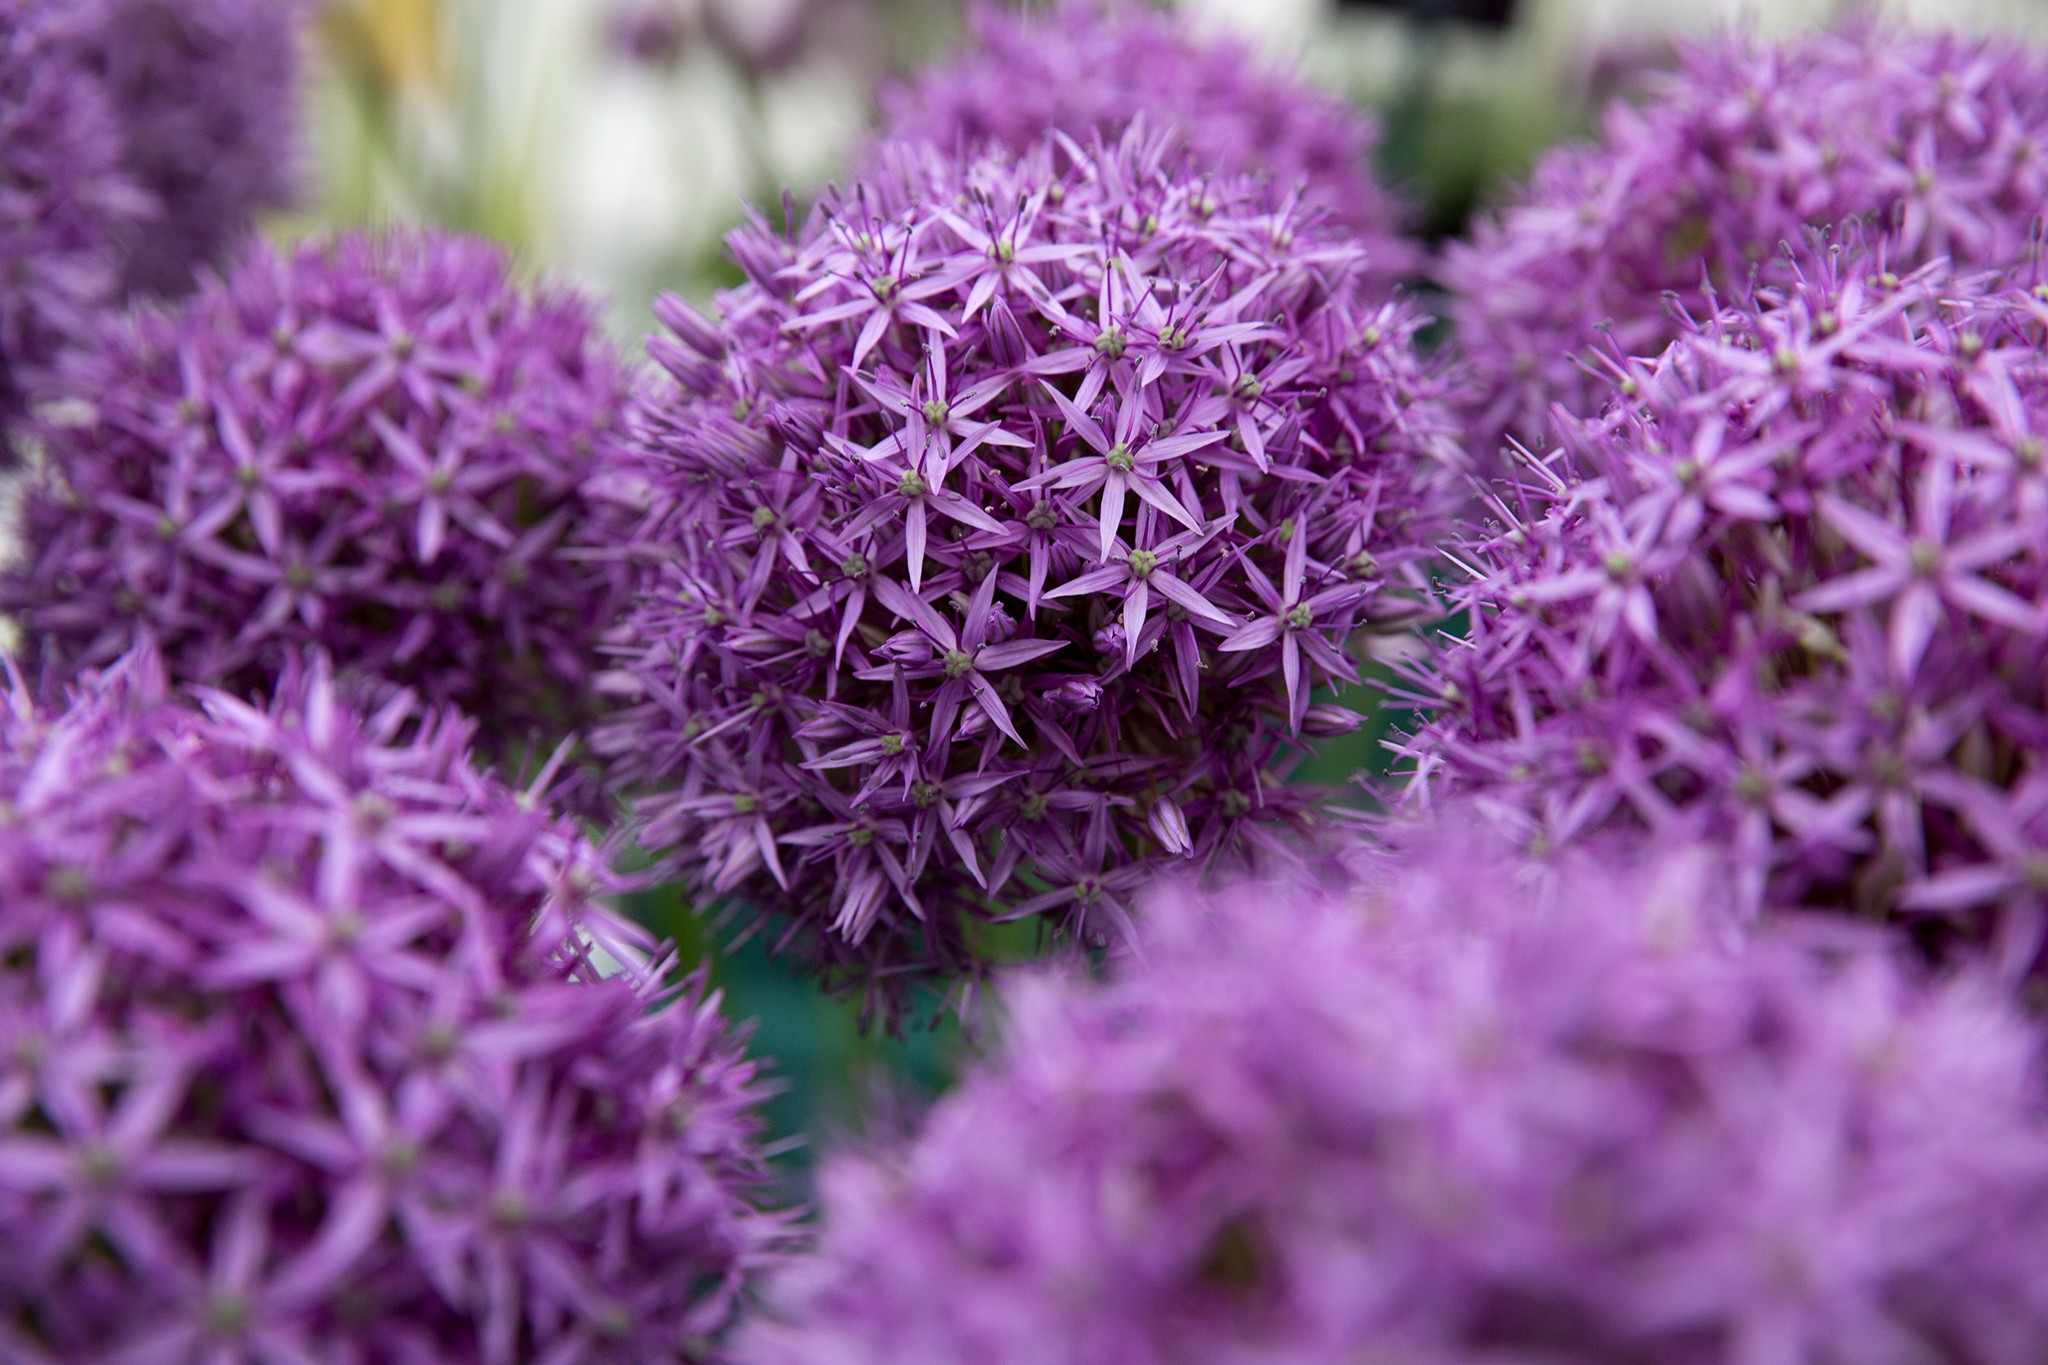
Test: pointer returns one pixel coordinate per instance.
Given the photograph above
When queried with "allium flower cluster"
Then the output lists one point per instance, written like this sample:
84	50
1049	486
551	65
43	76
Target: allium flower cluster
304	1055
380	447
1093	67
206	93
1440	1115
63	202
1940	138
1007	536
1792	591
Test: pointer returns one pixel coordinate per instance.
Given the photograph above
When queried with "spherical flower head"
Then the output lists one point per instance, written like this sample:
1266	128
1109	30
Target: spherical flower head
1790	590
307	1053
1008	533
1092	68
1444	1112
1943	138
206	93
377	446
64	204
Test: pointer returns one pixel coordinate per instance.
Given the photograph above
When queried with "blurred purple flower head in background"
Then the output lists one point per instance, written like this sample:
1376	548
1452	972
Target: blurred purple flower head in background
1007	533
306	1054
1091	68
64	202
1790	591
654	32
1449	1111
1940	139
761	36
206	93
381	447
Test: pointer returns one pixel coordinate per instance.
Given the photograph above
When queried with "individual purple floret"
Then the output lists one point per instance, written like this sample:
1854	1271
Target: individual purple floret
1791	590
306	1054
63	202
1007	536
1943	138
380	447
206	93
1443	1114
1093	67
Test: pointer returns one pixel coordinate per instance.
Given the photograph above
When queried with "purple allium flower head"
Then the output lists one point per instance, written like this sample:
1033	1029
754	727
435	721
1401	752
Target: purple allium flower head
206	93
1008	532
305	1054
377	446
1443	1115
1943	139
1791	590
1093	67
63	201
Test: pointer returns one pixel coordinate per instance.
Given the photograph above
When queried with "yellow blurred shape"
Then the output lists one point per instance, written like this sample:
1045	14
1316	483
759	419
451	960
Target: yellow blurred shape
393	44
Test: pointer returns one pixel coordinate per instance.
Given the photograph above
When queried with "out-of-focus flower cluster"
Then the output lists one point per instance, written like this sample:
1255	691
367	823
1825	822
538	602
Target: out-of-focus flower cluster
63	202
206	92
381	447
1940	139
761	35
305	1053
1094	67
1439	1113
1790	591
1014	509
138	138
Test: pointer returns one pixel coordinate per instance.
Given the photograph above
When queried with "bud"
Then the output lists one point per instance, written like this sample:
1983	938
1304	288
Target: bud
1326	720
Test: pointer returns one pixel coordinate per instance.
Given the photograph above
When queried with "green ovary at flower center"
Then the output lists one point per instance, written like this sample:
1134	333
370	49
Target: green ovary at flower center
936	413
959	663
911	485
1301	618
1143	562
1925	556
1119	458
100	1165
227	1315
